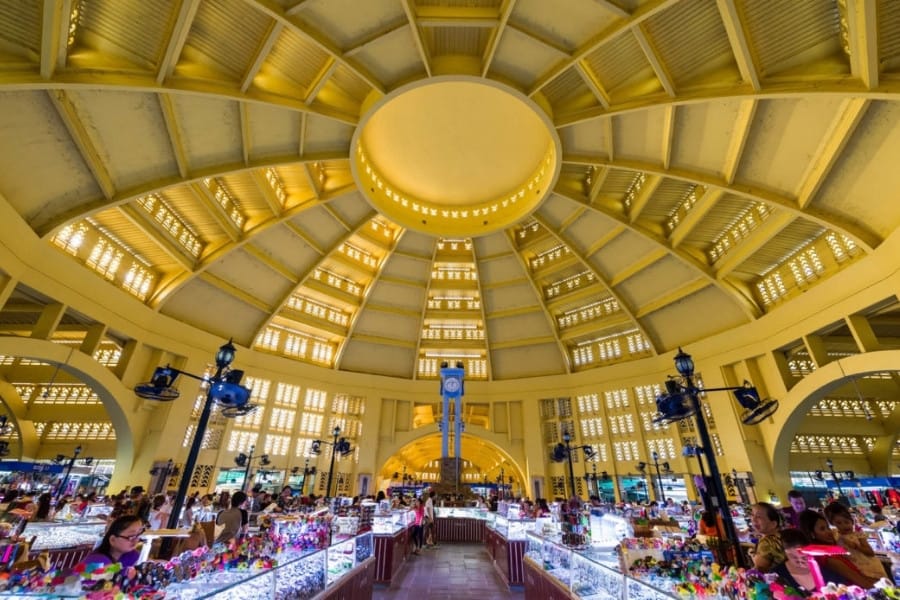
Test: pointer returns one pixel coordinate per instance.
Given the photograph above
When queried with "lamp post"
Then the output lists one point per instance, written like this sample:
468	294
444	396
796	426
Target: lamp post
682	400
338	444
307	471
223	388
838	478
71	463
564	451
170	470
655	457
246	460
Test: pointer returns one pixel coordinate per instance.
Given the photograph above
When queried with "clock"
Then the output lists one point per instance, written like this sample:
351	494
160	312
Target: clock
451	384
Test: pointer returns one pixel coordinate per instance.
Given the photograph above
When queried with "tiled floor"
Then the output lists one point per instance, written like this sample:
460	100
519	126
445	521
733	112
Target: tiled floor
448	572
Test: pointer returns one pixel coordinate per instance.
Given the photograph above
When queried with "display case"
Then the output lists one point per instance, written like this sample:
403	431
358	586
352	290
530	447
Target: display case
595	581
341	558
459	524
460	512
55	536
299	575
390	523
512	529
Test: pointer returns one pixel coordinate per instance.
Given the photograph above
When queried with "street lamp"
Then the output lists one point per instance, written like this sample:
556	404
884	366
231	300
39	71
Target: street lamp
223	388
682	400
338	444
246	460
665	466
61	458
170	470
307	471
564	451
838	478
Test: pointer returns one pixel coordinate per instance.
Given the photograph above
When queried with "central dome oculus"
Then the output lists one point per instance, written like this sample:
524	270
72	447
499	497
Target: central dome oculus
461	157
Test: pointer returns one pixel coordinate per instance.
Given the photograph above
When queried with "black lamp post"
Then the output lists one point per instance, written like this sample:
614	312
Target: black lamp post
246	460
564	451
307	471
665	466
60	458
170	470
682	400
836	477
338	444
223	388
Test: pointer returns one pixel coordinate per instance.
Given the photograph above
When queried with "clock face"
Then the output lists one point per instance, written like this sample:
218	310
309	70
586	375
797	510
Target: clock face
451	384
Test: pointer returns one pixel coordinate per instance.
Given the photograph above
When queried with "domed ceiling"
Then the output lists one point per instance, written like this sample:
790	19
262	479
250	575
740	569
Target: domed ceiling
528	187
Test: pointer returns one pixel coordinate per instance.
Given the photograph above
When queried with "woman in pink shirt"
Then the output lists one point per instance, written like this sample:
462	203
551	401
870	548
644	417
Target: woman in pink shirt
418	531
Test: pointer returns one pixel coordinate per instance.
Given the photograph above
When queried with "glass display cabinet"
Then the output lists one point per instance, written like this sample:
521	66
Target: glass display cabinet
55	536
459	524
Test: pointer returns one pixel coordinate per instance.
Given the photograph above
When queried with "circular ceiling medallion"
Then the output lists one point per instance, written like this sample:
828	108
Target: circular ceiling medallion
455	156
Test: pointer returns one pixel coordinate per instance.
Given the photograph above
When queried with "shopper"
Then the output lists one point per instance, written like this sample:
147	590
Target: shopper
429	521
792	512
119	544
769	551
233	521
418	528
856	543
814	525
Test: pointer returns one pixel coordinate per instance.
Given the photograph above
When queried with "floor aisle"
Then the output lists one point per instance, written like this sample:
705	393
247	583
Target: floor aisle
447	572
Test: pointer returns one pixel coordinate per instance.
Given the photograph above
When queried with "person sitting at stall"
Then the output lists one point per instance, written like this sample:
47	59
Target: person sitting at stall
797	504
119	543
710	524
815	527
856	543
769	551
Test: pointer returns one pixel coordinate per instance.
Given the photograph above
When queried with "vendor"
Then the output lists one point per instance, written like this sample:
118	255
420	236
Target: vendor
769	552
119	544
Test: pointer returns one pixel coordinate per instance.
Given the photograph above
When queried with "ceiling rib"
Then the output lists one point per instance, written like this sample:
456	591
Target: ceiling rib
245	132
866	239
587	75
268	260
390	28
268	194
176	138
177	37
644	12
303	278
863	41
261	54
327	46
655	60
452	16
417	35
695	216
140	219
354	319
740	44
750	309
493	43
238	292
623	305
54	36
759	237
743	121
320	80
671	297
835	139
50	222
82	140
164	291
215	210
668	135
510	236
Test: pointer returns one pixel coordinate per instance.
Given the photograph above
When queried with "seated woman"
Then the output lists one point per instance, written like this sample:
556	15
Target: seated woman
815	527
856	543
769	551
119	544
